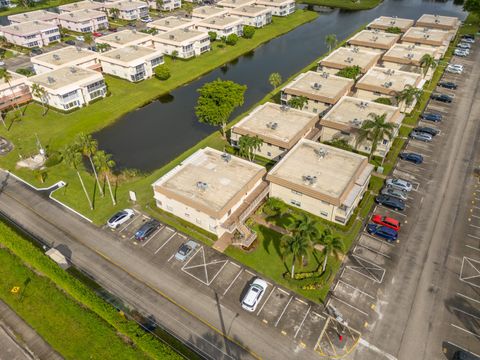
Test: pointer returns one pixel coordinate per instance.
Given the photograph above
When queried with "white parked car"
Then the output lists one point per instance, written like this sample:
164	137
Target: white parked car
254	295
468	40
146	19
454	69
461	53
464	45
120	217
80	38
399	184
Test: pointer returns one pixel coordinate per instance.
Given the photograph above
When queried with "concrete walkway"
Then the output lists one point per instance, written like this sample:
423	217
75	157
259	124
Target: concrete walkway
32	345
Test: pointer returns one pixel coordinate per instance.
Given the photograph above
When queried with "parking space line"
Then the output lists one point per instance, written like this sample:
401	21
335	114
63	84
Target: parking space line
353	287
218	272
378	240
372	250
283	312
457	346
300	300
474	236
466	313
475	226
127	225
231	284
266	300
285	292
472	247
171	257
251	273
169	228
317	314
165	243
468	297
353	307
465	330
183	236
238	266
301	324
396	212
152	236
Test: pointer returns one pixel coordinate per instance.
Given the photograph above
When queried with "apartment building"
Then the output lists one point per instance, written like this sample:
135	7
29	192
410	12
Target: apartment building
221	25
133	63
212	190
6	4
84	21
37	15
31	34
128	9
81	5
387	22
348	115
322	90
14	92
320	179
187	43
279	126
279	7
232	4
67	56
349	56
171	23
439	39
204	12
70	87
164	5
438	22
374	39
256	16
125	38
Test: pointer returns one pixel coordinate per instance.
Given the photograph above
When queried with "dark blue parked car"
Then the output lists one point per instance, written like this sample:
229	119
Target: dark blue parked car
382	232
390	202
412	157
146	230
431	117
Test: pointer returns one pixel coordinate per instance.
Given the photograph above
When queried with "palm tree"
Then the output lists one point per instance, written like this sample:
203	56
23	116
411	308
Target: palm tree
88	147
248	145
73	157
88	39
174	55
40	92
375	130
295	245
102	47
331	41
114	12
307	227
297	102
7	77
275	79
427	62
332	245
104	163
408	95
256	145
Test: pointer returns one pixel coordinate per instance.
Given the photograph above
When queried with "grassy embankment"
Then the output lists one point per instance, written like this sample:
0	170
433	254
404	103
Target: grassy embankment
37	6
345	4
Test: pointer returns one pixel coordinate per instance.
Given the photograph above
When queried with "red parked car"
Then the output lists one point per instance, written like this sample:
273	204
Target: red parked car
386	221
97	34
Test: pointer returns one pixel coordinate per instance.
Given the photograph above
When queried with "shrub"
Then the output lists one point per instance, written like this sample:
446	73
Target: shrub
213	35
394	30
350	72
53	159
162	72
231	39
383	100
341	144
248	31
25	71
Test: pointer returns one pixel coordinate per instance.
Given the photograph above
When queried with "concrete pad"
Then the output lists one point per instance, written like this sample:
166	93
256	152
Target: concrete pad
274	306
237	290
358	280
292	317
228	275
356	318
355	297
312	327
378	246
204	268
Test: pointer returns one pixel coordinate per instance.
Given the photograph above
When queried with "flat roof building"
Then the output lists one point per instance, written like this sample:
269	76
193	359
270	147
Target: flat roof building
231	4
349	56
187	43
426	36
322	90
256	16
374	39
164	5
125	38
128	9
279	7
67	56
14	92
348	115
387	22
37	15
31	34
279	126
69	87
438	22
84	21
212	190
81	5
133	63
323	180
171	23
406	57
203	12
223	26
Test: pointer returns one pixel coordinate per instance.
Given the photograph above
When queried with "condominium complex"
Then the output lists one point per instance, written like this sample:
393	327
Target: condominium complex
374	39
125	38
349	56
438	22
31	34
84	21
14	92
37	15
81	5
256	16
223	26
232	4
186	43
389	22
128	9
279	7
67	56
203	12
171	23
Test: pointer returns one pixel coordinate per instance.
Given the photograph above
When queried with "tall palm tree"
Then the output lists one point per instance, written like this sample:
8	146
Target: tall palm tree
88	147
248	145
7	77
88	39
73	157
114	12
297	102
332	246
307	227
40	92
104	163
295	245
331	41
375	129
256	145
275	79
408	95
427	62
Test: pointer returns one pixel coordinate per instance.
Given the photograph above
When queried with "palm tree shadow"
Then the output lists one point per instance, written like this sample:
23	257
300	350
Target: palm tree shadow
94	195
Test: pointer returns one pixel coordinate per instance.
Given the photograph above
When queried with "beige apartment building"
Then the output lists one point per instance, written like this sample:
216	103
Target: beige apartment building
349	56
204	12
223	26
386	22
322	90
69	87
37	15
133	63
382	82
187	43
171	23
67	56
128	9
14	92
438	39
438	22
84	21
232	4
348	115
279	126
407	57
374	39
164	5
279	7
320	179
81	5
212	190
125	38
256	16
31	34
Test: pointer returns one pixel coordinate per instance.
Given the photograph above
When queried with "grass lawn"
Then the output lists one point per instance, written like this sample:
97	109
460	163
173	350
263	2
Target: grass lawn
345	4
72	330
41	5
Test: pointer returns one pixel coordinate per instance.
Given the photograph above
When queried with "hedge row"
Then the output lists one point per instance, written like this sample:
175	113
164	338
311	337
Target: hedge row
77	290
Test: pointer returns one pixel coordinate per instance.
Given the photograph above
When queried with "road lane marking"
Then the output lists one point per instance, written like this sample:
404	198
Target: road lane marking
283	312
301	324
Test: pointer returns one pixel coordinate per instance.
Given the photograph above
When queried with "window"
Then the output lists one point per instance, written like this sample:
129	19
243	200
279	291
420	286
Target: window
385	141
340	220
97	93
324	213
296	203
95	85
157	61
269	153
187	215
297	192
205	48
159	203
71	104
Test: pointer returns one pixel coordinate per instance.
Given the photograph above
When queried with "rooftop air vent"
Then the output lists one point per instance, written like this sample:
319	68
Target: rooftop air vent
272	125
355	49
316	86
117	37
56	57
202	185
50	80
284	108
171	37
362	104
309	179
71	15
117	56
392	22
213	21
25	15
388	84
356	122
321	152
226	157
73	70
167	22
410	55
325	75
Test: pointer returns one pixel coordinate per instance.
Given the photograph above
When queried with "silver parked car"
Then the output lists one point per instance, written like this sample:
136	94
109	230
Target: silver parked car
400	194
421	136
185	250
399	184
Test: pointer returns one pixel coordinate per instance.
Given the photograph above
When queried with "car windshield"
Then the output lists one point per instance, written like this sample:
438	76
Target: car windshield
184	249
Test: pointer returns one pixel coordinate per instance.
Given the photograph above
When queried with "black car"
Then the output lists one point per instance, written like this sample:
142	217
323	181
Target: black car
431	117
36	51
70	42
428	130
390	202
442	98
468	36
147	229
448	85
411	157
464	355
